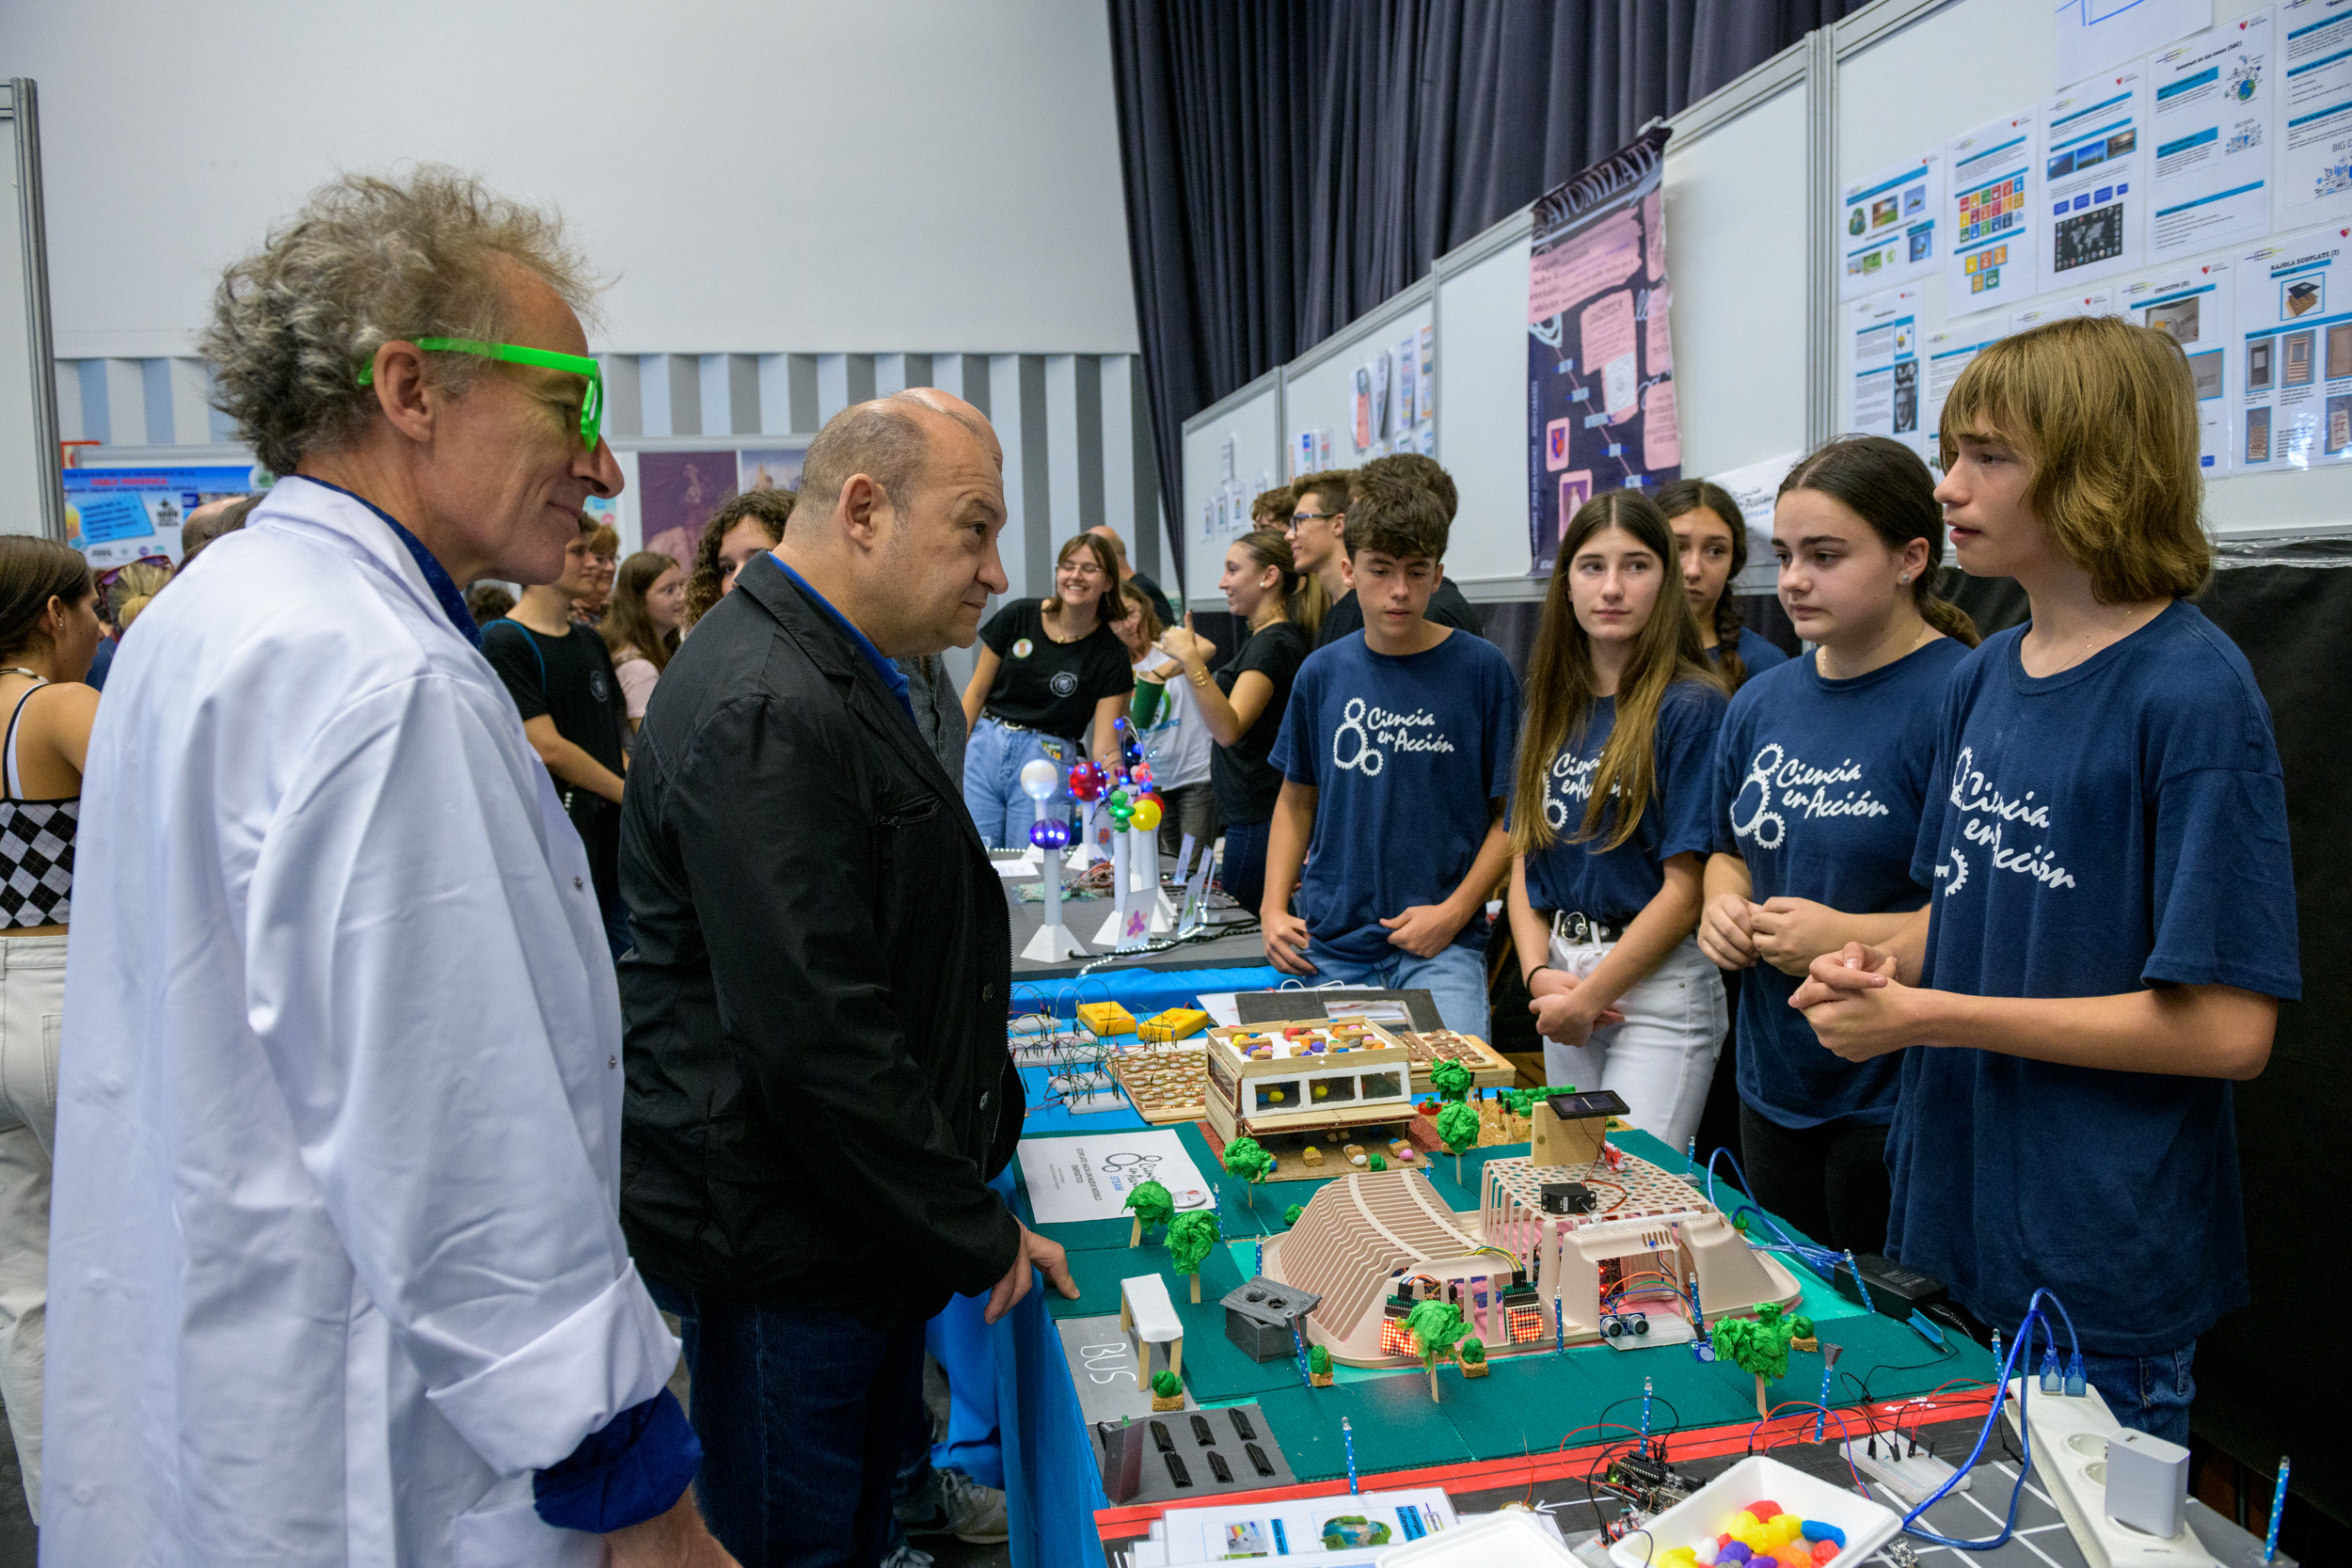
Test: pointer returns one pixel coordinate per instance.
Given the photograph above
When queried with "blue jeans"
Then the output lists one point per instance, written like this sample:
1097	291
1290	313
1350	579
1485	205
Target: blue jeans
1455	979
803	1419
2148	1393
993	761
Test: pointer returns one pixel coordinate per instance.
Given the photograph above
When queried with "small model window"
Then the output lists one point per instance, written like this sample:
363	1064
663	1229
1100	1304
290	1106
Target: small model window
1384	1085
1278	1095
1331	1091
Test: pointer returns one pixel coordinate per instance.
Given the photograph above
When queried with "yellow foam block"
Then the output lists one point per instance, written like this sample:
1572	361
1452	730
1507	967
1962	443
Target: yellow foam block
1106	1018
1174	1024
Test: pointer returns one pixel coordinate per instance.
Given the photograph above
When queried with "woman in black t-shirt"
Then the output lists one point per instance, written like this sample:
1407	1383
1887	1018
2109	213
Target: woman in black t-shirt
1243	702
1051	674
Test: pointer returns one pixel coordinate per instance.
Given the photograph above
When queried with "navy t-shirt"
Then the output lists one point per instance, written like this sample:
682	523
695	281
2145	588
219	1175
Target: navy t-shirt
1406	753
2116	825
1817	786
1755	652
1613	885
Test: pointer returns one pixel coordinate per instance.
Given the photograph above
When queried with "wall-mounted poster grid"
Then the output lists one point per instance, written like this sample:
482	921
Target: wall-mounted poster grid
2315	154
2092	216
1600	394
2294	324
1887	235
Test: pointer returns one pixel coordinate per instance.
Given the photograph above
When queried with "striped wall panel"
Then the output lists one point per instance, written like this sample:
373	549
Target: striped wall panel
1077	448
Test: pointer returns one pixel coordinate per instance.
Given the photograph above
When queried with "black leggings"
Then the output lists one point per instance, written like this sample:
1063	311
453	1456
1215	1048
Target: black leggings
1244	874
1829	1182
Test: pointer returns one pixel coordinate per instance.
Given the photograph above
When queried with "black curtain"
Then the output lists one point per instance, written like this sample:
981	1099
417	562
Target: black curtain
1291	164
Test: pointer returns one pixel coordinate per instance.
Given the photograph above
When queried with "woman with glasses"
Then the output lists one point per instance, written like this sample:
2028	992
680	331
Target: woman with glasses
48	631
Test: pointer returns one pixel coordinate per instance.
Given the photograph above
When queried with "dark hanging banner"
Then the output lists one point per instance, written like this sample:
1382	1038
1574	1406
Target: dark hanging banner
1600	388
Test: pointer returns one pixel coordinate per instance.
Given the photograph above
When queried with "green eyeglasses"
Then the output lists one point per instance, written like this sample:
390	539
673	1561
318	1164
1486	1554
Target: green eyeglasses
591	405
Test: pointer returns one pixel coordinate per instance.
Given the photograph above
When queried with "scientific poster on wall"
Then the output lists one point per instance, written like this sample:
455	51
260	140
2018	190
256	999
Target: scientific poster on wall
2294	324
2195	301
2094	192
2211	128
677	493
2095	34
1883	367
1887	235
1601	395
2315	154
1988	258
115	515
1949	353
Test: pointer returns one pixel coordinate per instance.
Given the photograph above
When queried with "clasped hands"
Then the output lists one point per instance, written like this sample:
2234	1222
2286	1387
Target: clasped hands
1786	933
1560	1013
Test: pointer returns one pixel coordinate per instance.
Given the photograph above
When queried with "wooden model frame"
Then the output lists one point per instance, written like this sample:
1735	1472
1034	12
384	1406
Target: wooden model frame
1364	1085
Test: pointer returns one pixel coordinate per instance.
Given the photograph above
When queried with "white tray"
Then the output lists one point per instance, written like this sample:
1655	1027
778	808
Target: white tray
1702	1515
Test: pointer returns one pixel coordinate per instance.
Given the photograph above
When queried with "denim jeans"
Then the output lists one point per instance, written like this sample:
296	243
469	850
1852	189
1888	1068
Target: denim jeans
993	761
1455	979
803	1419
2147	1393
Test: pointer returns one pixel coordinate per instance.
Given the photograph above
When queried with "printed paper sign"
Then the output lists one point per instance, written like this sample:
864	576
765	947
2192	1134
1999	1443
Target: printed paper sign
1088	1177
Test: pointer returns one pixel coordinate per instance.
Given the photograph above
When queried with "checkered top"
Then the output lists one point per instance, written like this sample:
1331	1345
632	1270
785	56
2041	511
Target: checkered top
37	861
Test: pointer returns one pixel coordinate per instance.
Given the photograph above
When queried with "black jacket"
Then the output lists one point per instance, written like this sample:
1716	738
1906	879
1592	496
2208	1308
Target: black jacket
817	1081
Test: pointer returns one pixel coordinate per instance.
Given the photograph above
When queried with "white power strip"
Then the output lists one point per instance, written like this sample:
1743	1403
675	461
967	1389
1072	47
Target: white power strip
2070	1454
1913	1480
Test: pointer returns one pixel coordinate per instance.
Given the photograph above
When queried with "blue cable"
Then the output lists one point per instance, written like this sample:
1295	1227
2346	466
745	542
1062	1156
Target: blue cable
1819	1259
2021	1345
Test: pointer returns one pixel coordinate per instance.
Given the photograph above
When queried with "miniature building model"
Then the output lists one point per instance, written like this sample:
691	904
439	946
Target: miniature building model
1371	1244
1258	1317
1272	1078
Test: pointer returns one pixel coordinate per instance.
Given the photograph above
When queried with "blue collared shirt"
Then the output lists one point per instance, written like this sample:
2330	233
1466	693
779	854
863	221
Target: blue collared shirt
436	575
890	672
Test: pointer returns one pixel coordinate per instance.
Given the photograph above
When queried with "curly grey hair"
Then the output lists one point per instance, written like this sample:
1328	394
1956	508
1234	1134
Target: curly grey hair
366	260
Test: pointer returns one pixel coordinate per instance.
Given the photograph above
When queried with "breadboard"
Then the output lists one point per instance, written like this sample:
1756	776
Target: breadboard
1911	1480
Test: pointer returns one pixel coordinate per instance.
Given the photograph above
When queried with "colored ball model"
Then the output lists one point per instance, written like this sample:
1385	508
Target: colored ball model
1040	779
1146	813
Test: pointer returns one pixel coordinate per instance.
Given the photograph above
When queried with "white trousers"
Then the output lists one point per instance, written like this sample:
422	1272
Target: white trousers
1663	1057
32	996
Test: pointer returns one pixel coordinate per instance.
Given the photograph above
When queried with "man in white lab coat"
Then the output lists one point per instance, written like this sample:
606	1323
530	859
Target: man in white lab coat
337	1276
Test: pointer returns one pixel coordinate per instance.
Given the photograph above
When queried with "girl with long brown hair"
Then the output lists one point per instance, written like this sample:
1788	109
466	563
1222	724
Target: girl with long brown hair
641	625
1610	821
1051	679
1712	536
1821	777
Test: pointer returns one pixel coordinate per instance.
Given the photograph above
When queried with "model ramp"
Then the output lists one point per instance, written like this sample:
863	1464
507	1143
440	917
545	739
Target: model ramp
1355	1236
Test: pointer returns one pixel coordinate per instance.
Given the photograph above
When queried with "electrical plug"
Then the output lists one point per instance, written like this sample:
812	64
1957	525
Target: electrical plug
2050	1381
2077	1381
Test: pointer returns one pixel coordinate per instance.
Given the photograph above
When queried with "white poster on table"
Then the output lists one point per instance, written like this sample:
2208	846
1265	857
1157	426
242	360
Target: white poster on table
1988	258
1088	1177
2295	331
2093	212
2196	301
2315	110
1882	365
1887	233
2211	126
1754	487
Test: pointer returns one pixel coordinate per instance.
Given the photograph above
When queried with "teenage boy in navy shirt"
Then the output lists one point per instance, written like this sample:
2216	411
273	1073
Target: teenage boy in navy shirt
1395	754
2111	925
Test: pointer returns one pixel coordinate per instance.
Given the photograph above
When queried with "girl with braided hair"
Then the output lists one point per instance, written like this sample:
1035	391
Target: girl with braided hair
1711	538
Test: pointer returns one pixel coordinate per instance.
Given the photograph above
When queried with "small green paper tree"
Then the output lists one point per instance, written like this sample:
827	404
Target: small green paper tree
1290	1215
1451	1079
1189	1239
1151	1206
1247	1159
1457	1124
1471	1352
1375	1161
1167	1384
1436	1327
1319	1361
1760	1347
